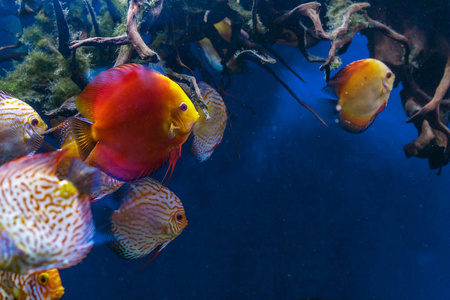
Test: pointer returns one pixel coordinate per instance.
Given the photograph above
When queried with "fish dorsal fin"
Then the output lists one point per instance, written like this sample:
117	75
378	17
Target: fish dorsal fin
86	179
4	95
82	133
342	76
98	90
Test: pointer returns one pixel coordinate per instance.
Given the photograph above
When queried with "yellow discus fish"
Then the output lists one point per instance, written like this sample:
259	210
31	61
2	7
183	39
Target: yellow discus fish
45	222
363	88
42	285
209	133
20	128
150	216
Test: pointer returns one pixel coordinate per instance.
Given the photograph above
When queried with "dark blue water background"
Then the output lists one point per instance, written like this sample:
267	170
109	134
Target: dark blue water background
308	211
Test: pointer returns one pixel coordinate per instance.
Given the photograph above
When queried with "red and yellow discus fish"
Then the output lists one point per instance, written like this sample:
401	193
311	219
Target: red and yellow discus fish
138	118
45	222
65	139
209	133
150	215
42	285
363	88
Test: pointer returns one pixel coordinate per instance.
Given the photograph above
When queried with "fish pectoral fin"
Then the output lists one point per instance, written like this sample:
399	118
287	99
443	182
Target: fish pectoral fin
82	133
171	133
86	179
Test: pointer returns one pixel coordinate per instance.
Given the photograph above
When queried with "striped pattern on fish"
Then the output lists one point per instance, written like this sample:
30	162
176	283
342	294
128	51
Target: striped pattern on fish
43	285
44	222
18	122
150	216
209	133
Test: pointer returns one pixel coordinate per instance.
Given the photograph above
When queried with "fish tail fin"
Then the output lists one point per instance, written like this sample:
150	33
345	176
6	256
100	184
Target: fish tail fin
86	179
82	133
173	157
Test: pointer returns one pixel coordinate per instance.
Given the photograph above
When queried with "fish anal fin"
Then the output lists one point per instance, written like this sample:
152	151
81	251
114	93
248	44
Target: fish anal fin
82	133
161	248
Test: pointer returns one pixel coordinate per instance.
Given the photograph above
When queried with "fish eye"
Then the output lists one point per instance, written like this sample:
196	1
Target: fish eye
43	279
34	122
389	75
179	217
183	106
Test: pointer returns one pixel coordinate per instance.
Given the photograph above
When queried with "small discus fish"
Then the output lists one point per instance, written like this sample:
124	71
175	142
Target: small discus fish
137	119
209	133
41	285
20	128
363	88
150	215
45	222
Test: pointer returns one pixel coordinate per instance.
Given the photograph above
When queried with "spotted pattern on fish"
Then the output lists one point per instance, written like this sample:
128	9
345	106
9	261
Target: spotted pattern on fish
150	216
18	123
65	140
42	285
44	222
209	133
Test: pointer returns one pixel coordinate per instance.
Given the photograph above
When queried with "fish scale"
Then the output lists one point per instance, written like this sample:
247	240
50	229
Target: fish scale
209	133
16	123
146	219
44	222
28	287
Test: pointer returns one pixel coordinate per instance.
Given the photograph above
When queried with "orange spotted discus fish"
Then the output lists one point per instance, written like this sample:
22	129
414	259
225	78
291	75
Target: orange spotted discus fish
45	222
66	141
41	285
363	88
209	133
20	128
137	119
150	215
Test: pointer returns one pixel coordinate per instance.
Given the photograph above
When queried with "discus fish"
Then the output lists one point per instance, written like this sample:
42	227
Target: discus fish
212	56
42	285
363	88
65	139
45	222
209	133
150	215
20	128
138	118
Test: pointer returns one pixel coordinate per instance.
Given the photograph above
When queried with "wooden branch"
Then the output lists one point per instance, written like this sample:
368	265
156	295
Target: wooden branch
17	45
93	17
63	29
101	42
392	34
135	38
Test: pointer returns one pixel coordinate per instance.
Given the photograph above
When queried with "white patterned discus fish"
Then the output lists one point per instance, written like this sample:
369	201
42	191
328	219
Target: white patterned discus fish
150	215
41	285
45	222
209	133
20	128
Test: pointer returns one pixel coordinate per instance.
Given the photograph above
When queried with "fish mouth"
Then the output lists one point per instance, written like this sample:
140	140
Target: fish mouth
58	294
